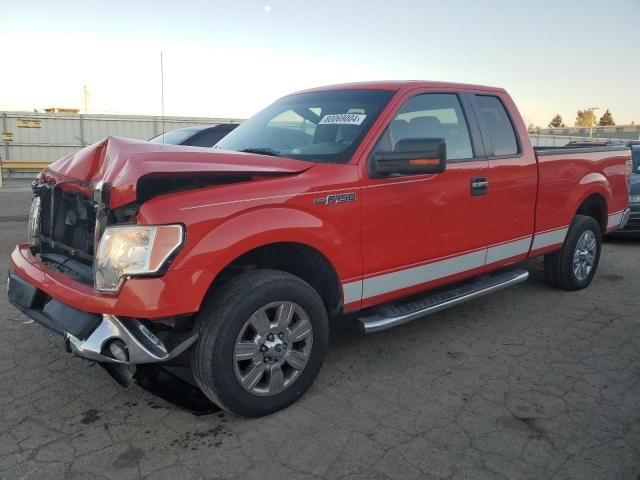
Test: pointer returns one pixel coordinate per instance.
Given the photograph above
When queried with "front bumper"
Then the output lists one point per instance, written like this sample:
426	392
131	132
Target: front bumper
102	338
95	326
177	292
135	343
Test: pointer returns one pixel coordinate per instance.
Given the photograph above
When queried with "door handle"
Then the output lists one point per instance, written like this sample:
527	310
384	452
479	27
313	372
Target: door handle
479	186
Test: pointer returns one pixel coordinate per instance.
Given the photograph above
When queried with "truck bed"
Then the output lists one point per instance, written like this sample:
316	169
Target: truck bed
562	169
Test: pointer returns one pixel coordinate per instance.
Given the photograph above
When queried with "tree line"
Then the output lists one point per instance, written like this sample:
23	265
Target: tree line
584	118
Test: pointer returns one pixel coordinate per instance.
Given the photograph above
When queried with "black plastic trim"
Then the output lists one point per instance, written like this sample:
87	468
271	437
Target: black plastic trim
48	312
477	143
542	151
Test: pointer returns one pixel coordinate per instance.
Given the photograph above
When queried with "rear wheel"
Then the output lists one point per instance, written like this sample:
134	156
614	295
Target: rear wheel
574	266
263	338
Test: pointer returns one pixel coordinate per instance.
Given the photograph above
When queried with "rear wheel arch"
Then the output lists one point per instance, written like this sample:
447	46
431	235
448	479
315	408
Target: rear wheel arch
595	206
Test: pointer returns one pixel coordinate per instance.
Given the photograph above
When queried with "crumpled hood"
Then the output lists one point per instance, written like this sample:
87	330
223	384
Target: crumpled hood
121	163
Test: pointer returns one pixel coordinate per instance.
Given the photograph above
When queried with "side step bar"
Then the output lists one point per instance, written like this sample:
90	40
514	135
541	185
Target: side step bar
397	313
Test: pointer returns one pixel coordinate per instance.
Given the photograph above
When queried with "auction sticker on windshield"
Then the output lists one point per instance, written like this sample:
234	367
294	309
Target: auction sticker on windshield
343	119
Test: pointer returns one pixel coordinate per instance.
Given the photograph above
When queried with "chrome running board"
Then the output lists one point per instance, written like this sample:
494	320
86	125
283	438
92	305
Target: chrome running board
397	313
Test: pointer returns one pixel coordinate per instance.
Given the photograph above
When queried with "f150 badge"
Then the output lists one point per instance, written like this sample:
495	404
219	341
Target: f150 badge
335	198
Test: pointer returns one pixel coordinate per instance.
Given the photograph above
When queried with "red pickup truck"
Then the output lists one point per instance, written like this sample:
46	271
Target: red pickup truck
387	200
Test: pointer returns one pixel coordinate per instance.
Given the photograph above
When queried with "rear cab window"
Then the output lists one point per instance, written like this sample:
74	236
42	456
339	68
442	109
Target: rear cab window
497	125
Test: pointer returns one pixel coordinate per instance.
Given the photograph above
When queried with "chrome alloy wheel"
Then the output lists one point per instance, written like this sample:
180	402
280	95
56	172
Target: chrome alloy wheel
273	348
584	256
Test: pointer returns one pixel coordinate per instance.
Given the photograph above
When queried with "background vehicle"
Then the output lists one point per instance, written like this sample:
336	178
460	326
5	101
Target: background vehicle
597	143
633	225
359	198
204	136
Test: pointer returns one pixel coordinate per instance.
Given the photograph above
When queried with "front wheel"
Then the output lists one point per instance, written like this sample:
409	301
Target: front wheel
574	266
263	338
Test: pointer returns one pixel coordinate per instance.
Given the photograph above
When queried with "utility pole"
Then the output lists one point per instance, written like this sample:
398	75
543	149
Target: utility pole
593	119
85	92
162	94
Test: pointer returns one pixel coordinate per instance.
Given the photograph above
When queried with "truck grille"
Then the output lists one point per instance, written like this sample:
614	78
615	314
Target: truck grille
67	223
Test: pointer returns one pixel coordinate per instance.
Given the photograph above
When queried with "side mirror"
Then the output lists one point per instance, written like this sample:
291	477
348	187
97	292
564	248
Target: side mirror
411	156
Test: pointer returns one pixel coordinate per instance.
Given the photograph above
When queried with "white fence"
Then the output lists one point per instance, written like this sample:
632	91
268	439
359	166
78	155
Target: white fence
42	137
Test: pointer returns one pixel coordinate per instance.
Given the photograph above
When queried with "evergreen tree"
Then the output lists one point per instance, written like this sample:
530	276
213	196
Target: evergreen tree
606	119
556	121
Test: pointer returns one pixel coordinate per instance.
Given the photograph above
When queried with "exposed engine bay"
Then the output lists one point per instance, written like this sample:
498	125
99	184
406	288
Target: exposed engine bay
67	223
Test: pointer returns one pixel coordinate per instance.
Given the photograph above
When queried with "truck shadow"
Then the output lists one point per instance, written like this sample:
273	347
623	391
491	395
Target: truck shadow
175	386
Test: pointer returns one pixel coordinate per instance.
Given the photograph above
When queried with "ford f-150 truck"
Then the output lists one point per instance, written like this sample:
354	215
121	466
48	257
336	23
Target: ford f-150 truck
387	201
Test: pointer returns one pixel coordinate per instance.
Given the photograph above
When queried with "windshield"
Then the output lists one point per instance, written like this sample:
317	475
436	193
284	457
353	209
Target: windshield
323	126
176	137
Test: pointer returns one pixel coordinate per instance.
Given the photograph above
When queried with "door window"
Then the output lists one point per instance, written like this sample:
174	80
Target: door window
431	115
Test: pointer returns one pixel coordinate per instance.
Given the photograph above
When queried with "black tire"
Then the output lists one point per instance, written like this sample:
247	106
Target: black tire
221	320
558	266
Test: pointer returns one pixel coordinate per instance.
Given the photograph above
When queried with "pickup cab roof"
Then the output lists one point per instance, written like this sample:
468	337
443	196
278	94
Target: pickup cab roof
396	85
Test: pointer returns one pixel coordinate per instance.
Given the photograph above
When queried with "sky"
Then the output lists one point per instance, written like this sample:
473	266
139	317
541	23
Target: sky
232	58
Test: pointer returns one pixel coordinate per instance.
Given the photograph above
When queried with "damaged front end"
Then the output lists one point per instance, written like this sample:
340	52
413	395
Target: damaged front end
62	225
66	225
97	274
119	345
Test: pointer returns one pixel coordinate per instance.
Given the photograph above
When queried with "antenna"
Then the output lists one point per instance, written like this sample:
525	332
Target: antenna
162	93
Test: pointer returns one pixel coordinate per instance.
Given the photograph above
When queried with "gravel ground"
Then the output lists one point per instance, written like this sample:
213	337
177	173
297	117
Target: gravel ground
529	383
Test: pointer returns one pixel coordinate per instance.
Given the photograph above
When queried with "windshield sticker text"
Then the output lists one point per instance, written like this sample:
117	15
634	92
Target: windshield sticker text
343	119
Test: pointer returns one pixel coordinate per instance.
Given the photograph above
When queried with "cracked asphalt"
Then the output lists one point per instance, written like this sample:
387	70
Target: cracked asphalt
529	383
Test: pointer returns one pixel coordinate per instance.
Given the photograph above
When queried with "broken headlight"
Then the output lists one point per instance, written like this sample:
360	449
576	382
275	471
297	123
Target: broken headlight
34	223
133	250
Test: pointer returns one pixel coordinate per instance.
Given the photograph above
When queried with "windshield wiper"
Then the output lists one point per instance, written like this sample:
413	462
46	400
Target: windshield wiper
262	151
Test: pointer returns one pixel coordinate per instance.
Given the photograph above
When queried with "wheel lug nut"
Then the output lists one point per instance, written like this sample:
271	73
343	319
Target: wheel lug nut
263	349
281	335
270	337
284	346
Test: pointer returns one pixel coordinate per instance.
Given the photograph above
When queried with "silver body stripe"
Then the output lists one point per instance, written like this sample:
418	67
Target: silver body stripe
614	219
410	277
352	291
547	239
508	250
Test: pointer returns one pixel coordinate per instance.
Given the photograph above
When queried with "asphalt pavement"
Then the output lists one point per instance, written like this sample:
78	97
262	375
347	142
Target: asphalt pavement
529	383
